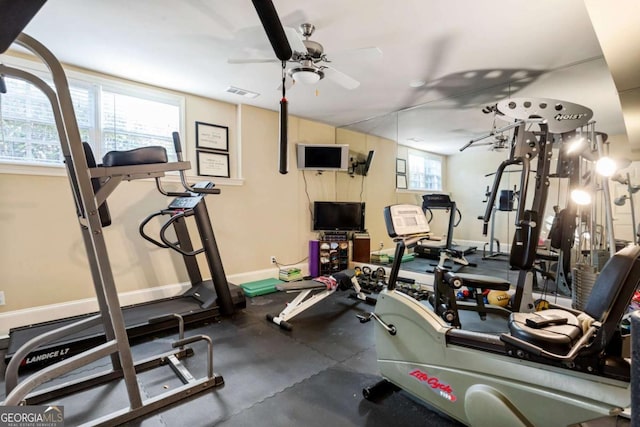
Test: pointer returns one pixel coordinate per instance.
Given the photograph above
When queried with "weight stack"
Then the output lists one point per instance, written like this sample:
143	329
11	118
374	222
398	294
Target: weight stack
584	277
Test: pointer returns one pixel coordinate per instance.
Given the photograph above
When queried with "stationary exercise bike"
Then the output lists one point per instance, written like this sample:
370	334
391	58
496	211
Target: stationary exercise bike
556	367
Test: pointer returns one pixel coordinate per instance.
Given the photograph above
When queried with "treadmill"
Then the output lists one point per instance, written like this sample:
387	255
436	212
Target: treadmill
204	302
432	248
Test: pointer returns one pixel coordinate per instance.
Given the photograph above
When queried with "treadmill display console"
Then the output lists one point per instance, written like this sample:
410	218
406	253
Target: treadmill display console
405	220
185	202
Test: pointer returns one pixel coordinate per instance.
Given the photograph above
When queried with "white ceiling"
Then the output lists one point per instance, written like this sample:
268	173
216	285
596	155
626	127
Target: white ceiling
465	50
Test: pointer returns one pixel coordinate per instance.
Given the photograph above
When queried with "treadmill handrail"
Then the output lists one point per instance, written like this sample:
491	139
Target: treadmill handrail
166	244
175	217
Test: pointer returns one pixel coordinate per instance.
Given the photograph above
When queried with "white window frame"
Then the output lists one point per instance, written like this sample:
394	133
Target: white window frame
427	156
77	78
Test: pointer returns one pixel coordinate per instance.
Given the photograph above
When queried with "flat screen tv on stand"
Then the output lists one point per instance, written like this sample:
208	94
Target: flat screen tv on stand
338	216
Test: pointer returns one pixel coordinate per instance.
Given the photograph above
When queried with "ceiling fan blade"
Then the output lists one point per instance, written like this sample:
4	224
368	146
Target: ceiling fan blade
341	78
295	40
288	84
273	27
361	54
251	60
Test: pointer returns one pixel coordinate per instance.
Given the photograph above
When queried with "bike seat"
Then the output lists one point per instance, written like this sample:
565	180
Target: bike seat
557	332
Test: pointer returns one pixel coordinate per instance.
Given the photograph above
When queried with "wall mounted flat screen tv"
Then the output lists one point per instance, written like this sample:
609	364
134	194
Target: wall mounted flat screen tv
338	216
329	157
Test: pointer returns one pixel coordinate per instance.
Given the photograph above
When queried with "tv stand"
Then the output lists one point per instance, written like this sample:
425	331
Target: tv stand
334	236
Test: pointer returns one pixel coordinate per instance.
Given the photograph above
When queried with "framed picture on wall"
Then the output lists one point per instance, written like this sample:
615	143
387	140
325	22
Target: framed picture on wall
212	137
213	164
401	166
401	181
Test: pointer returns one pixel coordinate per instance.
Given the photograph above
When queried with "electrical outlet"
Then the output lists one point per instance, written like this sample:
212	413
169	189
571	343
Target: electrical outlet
2	300
273	259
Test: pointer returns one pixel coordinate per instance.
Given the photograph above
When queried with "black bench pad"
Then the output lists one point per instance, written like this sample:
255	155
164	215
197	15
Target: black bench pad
301	285
137	156
484	282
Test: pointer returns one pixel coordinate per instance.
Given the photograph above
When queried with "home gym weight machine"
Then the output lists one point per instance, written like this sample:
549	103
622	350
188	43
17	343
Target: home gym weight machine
553	117
554	368
90	188
555	261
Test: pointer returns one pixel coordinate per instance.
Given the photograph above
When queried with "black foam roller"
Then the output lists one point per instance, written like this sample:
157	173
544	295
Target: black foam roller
273	27
283	136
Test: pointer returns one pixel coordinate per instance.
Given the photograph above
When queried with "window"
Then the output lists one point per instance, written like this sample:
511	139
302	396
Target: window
110	117
424	171
130	121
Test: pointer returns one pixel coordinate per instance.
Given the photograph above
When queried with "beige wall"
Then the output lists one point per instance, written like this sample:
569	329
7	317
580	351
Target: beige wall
377	189
261	214
43	259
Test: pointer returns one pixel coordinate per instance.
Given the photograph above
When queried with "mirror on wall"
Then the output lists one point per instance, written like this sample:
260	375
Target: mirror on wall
446	124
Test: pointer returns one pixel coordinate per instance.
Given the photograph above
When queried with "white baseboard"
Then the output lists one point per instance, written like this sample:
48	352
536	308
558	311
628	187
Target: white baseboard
33	315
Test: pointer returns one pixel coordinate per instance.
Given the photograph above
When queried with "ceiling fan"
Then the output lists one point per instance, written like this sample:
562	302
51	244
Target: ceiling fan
500	142
285	53
309	62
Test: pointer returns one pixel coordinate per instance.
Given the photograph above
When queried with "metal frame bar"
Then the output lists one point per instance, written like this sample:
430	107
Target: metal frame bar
300	303
597	139
87	382
11	376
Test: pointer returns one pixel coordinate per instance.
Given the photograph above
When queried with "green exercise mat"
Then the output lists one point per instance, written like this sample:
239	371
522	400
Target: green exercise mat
405	258
260	287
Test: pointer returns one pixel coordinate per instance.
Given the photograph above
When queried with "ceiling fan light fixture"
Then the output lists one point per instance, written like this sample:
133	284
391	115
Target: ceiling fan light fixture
306	75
